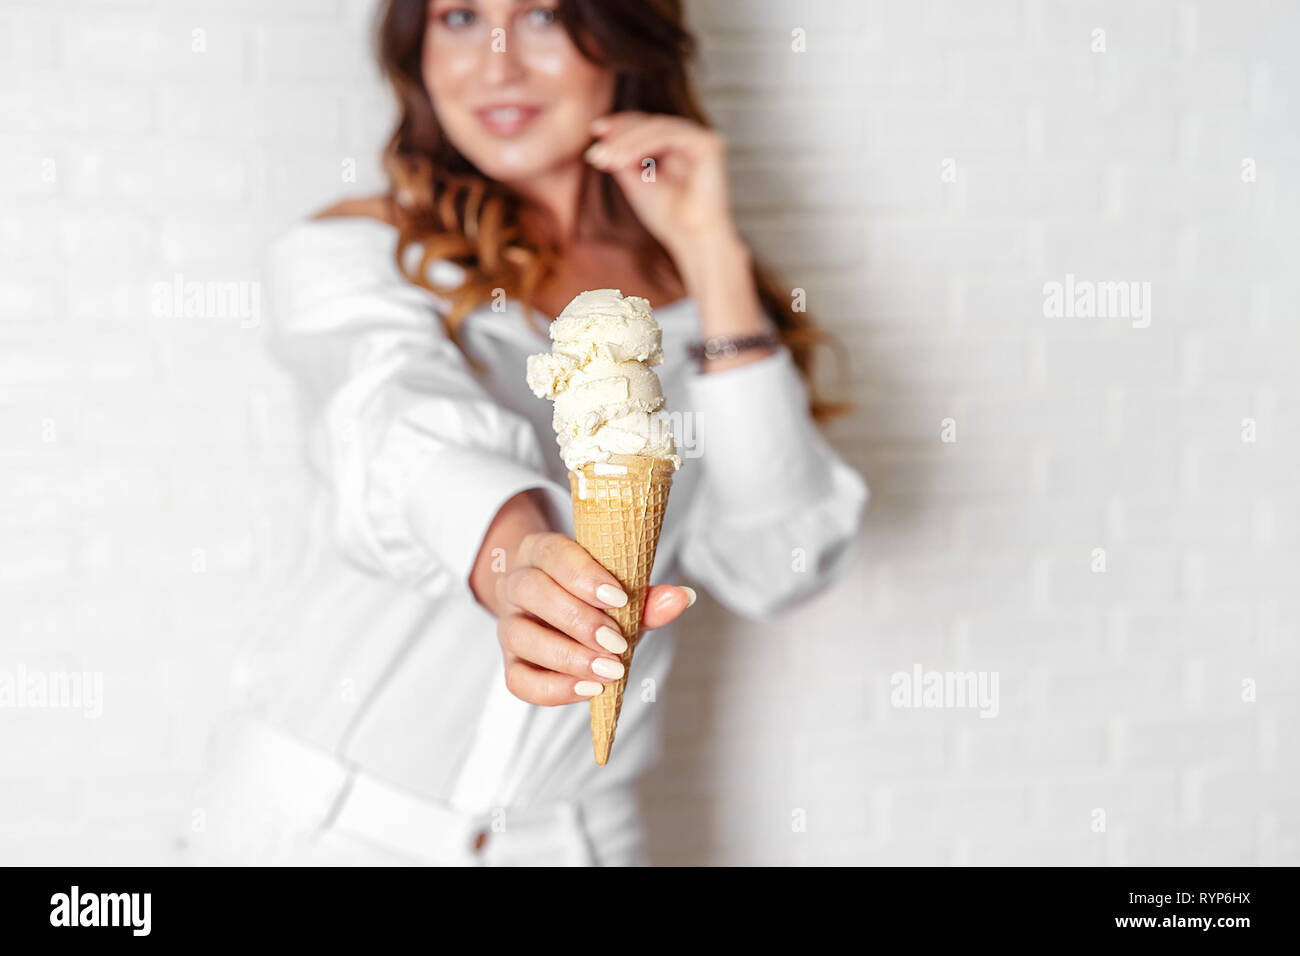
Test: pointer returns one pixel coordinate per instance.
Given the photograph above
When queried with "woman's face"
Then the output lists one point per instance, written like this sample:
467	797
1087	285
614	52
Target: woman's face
509	87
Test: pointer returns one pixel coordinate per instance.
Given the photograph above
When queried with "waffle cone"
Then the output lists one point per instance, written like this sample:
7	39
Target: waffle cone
617	518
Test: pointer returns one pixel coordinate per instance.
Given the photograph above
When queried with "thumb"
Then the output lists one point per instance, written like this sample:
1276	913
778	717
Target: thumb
664	603
630	181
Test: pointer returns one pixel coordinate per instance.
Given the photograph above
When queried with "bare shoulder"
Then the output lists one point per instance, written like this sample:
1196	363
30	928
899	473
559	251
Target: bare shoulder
374	207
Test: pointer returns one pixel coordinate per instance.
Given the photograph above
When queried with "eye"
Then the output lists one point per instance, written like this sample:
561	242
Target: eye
541	16
457	18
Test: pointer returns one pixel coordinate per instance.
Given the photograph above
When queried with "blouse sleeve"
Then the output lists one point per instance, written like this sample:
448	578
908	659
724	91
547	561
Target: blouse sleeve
778	512
417	457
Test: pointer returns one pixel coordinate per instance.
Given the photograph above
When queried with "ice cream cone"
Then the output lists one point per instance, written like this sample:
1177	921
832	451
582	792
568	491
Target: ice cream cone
617	516
618	448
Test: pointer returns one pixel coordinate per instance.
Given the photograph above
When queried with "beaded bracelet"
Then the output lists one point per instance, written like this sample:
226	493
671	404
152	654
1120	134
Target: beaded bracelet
726	346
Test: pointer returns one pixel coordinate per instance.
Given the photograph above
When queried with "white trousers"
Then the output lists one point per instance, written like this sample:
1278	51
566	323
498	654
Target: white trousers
276	800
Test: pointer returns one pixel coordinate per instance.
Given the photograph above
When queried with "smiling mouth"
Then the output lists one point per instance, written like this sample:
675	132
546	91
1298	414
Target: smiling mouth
507	120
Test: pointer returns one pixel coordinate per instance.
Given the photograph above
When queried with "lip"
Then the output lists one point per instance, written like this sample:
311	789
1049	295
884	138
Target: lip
507	119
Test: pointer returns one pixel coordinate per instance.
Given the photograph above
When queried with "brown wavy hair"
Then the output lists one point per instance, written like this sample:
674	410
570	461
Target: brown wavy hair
501	240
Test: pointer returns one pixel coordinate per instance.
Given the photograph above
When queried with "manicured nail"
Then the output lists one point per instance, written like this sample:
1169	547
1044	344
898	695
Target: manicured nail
690	593
587	688
611	595
596	154
611	640
604	667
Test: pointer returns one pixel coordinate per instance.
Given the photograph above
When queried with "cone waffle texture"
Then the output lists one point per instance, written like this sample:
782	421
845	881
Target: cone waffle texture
617	518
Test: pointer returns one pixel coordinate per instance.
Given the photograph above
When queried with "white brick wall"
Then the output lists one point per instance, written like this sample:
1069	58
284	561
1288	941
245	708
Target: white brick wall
149	464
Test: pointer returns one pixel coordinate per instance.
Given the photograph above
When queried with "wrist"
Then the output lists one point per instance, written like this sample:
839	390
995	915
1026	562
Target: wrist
720	347
710	257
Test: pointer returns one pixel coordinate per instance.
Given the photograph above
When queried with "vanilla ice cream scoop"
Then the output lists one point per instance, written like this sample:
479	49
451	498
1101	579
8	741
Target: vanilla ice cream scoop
598	373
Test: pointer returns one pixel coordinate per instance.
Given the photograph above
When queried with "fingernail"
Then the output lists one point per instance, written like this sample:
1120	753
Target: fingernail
596	153
690	593
611	640
604	667
587	688
611	595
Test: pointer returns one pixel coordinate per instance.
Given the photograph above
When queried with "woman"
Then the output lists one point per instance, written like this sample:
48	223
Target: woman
544	148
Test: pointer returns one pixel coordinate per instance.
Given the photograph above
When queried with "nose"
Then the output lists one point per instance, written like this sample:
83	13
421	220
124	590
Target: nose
503	64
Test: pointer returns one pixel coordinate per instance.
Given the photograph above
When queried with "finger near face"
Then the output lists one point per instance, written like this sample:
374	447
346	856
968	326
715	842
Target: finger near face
624	151
545	647
536	685
650	137
611	123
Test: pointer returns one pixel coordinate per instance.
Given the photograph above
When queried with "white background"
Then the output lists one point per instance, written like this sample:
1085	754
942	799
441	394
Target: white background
149	474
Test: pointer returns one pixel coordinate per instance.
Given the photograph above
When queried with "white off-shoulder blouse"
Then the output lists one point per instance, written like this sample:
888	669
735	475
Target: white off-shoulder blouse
379	652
